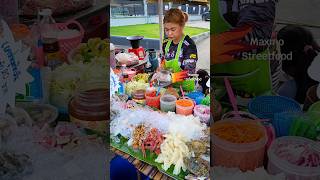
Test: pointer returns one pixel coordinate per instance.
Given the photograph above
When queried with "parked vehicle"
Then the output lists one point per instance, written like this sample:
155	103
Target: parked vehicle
206	16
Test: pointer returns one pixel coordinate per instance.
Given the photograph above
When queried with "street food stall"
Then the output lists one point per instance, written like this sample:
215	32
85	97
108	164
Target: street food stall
148	115
161	128
256	131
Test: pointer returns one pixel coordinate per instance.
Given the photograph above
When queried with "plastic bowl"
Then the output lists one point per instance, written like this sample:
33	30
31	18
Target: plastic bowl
293	172
197	96
203	112
186	108
245	156
123	97
40	113
315	107
283	121
265	107
168	103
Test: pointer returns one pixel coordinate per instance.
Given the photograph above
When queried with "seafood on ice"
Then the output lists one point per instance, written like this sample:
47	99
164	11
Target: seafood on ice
173	151
153	142
138	136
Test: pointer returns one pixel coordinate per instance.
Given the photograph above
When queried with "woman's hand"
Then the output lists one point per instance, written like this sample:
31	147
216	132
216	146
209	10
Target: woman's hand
225	45
179	76
155	76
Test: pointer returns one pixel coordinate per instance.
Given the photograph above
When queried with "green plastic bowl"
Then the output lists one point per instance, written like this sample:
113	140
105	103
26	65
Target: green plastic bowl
315	107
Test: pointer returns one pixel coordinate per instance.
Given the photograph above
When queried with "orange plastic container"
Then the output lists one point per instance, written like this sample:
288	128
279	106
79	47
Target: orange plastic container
152	100
20	31
239	144
184	106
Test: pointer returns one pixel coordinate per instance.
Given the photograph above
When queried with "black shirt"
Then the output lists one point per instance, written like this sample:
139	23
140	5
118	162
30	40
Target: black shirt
188	54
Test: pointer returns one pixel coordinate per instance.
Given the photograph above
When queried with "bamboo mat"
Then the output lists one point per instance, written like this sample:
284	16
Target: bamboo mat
146	169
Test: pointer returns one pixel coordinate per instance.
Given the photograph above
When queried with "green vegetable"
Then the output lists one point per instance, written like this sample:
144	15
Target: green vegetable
134	85
86	52
141	77
66	79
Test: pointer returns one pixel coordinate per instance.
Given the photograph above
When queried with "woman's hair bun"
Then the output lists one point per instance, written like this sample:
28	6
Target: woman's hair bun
186	17
176	15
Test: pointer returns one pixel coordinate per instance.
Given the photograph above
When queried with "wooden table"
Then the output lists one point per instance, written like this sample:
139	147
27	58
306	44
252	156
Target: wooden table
146	169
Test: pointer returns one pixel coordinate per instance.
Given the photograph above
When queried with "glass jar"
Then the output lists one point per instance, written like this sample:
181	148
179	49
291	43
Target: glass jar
168	103
89	107
164	77
139	96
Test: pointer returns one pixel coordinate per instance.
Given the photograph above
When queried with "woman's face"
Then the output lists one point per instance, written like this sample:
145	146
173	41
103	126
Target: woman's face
173	31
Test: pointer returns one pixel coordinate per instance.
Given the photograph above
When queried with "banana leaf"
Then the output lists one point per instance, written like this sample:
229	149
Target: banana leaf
149	159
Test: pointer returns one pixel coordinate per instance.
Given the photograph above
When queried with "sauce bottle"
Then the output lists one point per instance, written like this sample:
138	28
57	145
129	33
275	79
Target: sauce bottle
49	37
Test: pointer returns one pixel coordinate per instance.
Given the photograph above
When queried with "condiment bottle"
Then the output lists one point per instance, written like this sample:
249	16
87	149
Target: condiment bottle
49	37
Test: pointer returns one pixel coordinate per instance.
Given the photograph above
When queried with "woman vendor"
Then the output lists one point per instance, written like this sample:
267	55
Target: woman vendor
180	51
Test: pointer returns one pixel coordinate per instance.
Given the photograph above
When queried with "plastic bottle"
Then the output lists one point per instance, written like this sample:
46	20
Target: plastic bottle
38	90
49	37
37	47
124	73
123	77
